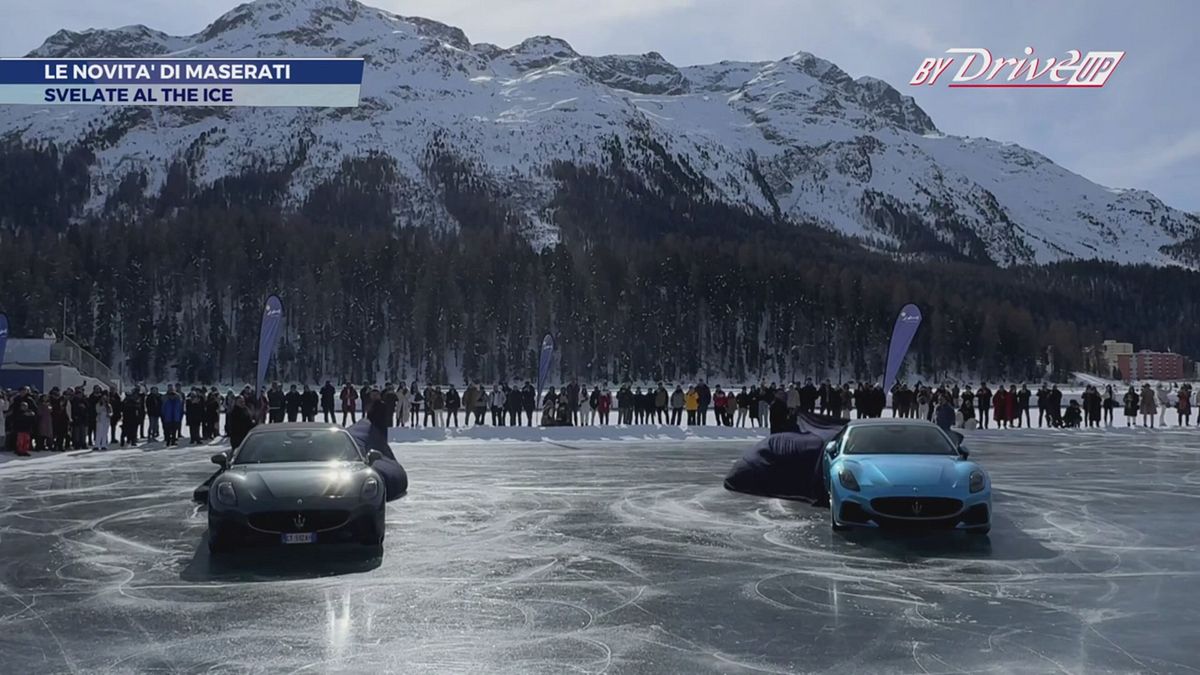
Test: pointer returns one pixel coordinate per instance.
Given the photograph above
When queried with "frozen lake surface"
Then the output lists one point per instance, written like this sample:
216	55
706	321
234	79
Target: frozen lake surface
586	557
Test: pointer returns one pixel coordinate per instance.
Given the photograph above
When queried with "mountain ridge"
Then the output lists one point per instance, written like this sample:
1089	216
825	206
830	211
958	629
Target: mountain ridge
795	139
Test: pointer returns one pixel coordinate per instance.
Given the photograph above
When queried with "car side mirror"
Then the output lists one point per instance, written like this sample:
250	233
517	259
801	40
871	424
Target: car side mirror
963	452
374	456
221	460
831	448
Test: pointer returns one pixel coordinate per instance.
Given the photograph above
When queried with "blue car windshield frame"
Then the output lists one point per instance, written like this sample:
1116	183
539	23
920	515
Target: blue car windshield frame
896	439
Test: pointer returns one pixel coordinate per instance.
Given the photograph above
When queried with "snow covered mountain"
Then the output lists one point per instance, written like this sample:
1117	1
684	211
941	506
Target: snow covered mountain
795	139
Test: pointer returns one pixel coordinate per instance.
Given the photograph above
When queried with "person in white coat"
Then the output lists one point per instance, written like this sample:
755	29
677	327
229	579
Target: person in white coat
403	405
498	399
103	422
1164	401
587	407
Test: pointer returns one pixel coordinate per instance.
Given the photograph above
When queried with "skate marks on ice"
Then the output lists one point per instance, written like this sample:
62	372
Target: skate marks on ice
1073	576
614	558
69	531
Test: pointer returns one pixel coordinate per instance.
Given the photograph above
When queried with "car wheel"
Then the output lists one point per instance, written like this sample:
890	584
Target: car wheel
374	534
833	520
981	530
218	543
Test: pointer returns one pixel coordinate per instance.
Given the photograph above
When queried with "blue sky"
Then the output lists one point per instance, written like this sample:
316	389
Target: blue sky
1142	130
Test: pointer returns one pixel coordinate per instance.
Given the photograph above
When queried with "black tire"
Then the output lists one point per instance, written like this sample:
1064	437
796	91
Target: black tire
218	543
980	530
374	535
833	521
220	539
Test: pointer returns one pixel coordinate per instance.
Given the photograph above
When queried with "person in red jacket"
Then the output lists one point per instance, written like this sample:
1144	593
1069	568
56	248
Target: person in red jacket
604	405
1000	407
349	403
718	402
23	423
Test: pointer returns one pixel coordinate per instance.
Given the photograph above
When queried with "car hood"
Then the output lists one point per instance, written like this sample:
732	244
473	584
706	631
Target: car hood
299	480
908	470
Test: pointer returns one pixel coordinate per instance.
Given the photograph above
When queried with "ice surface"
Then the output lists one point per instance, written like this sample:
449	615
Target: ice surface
613	557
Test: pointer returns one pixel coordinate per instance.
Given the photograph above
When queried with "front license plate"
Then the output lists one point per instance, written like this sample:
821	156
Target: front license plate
300	538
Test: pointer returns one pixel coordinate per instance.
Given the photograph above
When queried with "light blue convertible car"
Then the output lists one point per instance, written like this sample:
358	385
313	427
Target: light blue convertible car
902	473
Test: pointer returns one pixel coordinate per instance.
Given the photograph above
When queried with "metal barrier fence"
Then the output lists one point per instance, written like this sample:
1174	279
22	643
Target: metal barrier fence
68	351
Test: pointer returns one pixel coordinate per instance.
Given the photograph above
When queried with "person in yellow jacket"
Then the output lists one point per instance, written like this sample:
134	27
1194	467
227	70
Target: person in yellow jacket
691	403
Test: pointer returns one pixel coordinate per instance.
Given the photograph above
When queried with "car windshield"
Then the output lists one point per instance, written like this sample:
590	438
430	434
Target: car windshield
307	445
897	439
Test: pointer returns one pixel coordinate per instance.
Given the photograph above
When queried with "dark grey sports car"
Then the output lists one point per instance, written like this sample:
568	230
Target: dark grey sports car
295	484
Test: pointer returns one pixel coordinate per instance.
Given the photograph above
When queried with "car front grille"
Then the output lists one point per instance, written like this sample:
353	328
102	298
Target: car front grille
302	520
916	507
976	515
918	524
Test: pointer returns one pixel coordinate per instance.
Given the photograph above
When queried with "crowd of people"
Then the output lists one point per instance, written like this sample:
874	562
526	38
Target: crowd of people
76	419
1009	407
578	404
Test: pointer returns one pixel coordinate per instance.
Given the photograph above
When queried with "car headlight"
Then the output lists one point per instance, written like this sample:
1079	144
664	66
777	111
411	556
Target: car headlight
976	481
847	479
370	488
226	495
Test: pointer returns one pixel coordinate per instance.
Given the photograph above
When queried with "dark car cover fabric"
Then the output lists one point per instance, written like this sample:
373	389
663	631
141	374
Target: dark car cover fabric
370	437
824	426
200	494
395	478
787	465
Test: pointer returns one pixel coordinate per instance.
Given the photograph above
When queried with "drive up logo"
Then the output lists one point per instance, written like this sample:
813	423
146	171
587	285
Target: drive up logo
976	67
